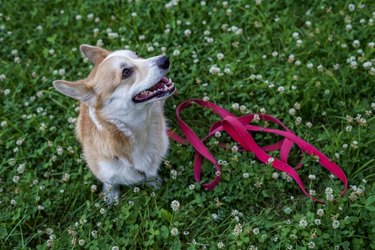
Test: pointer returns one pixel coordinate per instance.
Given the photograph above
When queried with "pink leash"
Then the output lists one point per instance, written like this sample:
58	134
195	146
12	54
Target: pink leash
238	129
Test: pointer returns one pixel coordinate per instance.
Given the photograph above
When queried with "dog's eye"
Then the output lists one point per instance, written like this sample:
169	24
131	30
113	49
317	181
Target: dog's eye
126	73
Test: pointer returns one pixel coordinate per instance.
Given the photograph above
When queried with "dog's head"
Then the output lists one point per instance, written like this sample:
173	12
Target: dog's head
120	80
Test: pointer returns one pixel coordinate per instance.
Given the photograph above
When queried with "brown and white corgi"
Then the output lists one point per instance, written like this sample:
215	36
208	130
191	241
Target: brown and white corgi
121	125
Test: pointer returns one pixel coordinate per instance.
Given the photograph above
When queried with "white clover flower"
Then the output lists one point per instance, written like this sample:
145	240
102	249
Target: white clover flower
291	58
175	205
59	150
136	190
234	149
237	229
134	14
94	233
311	245
217	134
2	77
99	43
81	242
275	175
329	190
256	231
329	197
78	17
308	24
93	188
66	177
214	70
258	2
298	120
191	187
6	92
236	106
16	178
243	108
356	43
335	224
187	32
281	89
367	65
348	27
245	175
310	65
287	210
351	7
274	54
227	71
174	231
292	111
174	174
220	245
21	168
303	223
90	16
270	160
354	144
113	35
115	248
317	222
312	177
220	56
49	231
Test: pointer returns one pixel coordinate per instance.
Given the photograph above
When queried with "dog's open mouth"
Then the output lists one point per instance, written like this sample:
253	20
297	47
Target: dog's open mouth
164	87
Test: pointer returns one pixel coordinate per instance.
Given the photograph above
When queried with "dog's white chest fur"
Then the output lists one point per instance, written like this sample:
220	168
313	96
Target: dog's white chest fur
150	144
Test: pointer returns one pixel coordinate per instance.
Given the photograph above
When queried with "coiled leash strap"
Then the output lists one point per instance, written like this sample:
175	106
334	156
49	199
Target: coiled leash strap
239	128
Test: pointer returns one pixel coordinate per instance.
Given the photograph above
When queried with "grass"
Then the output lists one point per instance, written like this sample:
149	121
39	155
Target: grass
308	63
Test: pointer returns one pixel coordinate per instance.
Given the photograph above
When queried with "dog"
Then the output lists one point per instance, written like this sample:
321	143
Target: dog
121	124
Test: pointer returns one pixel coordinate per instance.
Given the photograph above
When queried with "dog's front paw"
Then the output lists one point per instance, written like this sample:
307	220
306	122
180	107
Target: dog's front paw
155	182
111	193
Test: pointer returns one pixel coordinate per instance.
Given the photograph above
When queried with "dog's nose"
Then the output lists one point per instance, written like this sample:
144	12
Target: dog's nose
163	62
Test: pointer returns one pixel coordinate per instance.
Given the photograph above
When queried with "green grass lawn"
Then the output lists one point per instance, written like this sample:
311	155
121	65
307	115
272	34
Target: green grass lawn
311	64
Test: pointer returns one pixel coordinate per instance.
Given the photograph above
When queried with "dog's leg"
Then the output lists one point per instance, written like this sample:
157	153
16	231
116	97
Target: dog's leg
153	179
111	193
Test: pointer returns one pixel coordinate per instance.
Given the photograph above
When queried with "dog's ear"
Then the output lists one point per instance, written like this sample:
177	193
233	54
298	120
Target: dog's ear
77	90
93	53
